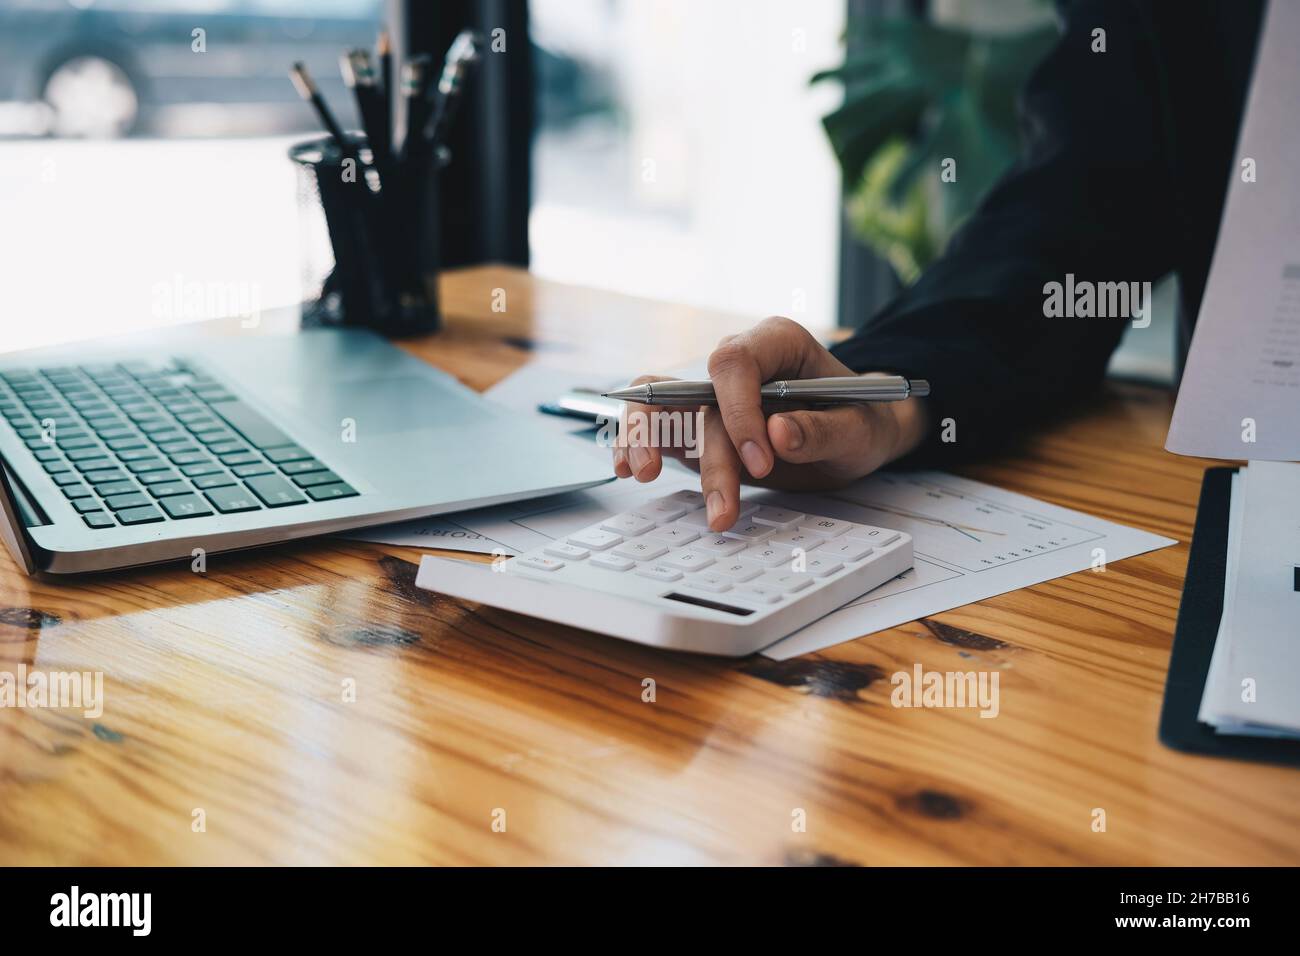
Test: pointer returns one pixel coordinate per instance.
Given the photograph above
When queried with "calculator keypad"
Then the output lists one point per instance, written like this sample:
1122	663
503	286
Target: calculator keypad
771	555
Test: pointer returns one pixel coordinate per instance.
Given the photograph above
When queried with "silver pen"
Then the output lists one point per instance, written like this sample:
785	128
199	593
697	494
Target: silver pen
845	390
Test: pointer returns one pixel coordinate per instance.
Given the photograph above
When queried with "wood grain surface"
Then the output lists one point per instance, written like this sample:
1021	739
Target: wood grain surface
225	691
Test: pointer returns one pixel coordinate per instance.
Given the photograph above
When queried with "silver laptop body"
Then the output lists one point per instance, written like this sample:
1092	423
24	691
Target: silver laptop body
144	450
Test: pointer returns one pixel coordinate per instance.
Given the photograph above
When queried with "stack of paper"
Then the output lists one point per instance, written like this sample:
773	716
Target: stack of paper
1254	683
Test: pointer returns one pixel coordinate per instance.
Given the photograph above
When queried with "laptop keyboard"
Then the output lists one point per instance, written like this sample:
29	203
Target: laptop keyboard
139	442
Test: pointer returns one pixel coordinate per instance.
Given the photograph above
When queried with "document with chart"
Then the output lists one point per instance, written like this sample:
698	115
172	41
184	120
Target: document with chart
971	540
1241	389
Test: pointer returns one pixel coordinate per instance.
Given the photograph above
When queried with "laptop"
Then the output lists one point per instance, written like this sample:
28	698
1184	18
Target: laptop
122	455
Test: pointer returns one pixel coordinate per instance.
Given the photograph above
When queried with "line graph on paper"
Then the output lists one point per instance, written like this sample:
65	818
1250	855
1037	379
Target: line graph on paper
953	526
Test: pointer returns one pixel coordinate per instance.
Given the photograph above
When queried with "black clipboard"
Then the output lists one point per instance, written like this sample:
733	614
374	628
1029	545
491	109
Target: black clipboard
1194	637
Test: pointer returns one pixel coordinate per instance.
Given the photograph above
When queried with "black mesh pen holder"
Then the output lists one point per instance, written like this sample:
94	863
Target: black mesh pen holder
383	235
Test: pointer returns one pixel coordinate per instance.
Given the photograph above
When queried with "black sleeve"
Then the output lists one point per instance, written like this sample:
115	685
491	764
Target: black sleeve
1090	196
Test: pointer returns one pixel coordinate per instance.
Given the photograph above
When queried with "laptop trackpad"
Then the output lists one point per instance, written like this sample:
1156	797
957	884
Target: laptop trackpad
383	406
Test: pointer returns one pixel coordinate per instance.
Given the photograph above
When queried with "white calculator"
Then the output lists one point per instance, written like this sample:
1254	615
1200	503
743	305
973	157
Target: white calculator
657	575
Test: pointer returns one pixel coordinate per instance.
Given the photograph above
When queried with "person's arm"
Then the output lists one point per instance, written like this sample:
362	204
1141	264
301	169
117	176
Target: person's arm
1089	198
1092	197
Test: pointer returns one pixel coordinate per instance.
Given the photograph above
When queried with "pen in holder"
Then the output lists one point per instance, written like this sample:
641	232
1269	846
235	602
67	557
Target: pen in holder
384	268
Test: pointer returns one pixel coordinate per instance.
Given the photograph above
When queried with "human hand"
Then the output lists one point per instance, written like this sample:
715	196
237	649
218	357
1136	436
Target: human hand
795	449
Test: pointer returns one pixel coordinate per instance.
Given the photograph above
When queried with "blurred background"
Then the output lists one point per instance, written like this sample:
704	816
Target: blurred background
755	156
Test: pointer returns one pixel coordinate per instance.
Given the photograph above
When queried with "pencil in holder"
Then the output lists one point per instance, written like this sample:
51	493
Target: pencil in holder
381	269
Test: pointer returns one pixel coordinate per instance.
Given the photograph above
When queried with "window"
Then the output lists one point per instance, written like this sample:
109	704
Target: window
680	154
143	148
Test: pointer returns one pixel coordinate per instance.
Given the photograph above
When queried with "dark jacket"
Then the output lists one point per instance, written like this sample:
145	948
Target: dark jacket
1125	167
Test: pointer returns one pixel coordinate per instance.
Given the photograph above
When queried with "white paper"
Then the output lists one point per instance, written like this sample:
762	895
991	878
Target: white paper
972	541
1210	694
431	533
1254	681
1240	393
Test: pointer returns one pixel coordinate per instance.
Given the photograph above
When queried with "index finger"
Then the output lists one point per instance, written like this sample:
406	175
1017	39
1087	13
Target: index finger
738	368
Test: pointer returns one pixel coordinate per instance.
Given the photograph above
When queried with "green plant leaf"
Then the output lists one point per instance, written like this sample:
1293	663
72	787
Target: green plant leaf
916	93
863	66
870	118
898	232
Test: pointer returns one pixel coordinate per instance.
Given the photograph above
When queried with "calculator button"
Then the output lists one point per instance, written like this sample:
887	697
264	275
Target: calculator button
688	559
595	539
759	593
826	527
700	519
539	563
571	551
737	570
714	583
659	572
821	567
721	544
646	550
797	539
768	557
675	534
629	524
876	537
845	549
664	509
696	519
612	562
687	499
782	518
750	531
789	582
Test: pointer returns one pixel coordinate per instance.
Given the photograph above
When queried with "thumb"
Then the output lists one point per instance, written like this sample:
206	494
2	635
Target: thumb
841	434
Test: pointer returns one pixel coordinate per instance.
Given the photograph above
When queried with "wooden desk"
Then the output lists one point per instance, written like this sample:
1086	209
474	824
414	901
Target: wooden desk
224	693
